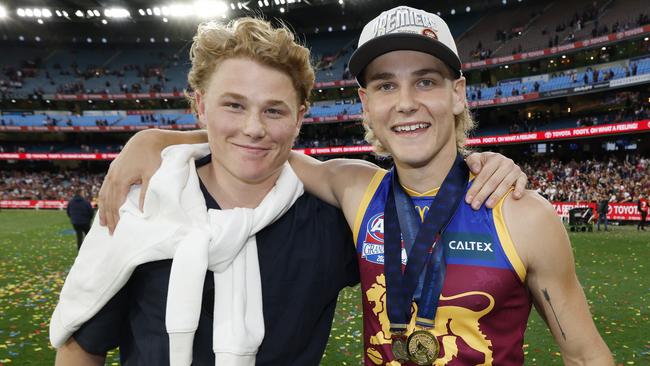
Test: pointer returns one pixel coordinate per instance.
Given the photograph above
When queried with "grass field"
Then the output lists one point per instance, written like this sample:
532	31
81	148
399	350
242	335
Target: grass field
37	248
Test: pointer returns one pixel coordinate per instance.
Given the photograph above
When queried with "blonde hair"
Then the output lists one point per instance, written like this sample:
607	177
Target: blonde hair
253	38
463	123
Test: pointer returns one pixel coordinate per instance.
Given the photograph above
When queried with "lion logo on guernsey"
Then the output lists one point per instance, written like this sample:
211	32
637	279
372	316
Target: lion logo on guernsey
455	324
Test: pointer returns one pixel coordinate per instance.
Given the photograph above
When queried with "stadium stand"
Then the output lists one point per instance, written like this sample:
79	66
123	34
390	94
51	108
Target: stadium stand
622	178
47	185
31	73
483	37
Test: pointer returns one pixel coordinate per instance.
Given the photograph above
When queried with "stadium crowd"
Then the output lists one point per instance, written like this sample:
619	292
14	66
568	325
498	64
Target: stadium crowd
47	185
621	179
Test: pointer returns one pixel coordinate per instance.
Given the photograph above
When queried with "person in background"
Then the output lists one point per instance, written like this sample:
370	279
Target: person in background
642	205
80	212
603	205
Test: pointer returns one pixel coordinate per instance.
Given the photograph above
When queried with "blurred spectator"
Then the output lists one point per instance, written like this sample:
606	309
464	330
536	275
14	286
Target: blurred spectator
80	212
642	205
602	208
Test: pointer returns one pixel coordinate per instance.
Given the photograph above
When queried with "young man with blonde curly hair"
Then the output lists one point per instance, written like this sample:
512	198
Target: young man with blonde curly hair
251	84
251	105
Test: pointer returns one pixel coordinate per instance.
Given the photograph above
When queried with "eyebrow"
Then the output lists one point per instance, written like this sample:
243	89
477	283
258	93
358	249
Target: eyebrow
423	72
390	75
240	97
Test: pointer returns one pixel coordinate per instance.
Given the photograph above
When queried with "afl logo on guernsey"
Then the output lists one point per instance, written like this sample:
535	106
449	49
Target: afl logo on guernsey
373	243
372	248
375	227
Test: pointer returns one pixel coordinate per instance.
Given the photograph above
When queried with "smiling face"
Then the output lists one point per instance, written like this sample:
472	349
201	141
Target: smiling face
252	116
410	102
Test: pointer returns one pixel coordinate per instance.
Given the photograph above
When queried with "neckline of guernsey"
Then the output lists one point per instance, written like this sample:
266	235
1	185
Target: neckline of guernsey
429	193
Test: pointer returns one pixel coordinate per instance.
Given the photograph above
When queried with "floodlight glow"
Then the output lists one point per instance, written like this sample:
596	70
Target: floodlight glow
180	10
165	20
282	2
96	12
282	9
20	12
58	13
156	11
453	11
149	12
104	21
29	13
141	12
232	6
266	3
79	13
209	9
46	13
3	12
165	10
277	2
468	9
260	3
119	13
65	13
37	13
89	13
39	21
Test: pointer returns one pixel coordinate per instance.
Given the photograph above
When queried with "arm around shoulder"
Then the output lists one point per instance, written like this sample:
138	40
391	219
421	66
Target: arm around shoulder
544	247
339	182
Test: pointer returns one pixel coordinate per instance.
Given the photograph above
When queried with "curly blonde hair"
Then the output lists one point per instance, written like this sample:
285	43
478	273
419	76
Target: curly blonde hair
253	38
463	122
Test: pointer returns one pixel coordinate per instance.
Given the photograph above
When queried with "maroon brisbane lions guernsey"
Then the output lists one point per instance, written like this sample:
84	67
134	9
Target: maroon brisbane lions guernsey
484	305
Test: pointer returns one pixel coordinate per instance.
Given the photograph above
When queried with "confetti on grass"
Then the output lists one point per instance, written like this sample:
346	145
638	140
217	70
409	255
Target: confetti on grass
36	251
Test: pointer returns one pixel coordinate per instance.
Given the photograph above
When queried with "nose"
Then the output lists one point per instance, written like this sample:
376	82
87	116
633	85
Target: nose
254	127
406	102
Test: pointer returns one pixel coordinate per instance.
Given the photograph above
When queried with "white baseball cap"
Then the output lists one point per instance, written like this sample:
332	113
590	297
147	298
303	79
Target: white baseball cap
404	28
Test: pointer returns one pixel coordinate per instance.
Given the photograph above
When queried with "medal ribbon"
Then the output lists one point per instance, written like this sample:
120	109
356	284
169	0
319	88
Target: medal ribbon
399	216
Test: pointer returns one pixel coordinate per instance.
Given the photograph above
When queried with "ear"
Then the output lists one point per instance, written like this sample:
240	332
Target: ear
460	95
301	115
200	107
363	95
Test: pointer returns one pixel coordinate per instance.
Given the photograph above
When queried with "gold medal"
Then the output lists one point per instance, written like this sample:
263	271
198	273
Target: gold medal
422	348
399	348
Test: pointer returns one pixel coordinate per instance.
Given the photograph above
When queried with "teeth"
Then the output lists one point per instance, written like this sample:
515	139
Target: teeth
407	128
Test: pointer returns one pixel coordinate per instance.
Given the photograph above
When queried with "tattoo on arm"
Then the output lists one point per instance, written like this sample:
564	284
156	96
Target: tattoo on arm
548	300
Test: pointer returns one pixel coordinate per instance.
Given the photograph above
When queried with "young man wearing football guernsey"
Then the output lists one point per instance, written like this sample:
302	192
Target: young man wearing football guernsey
466	298
459	286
